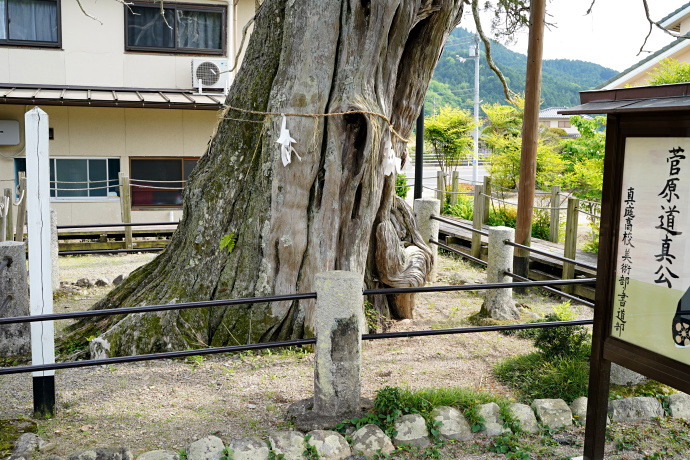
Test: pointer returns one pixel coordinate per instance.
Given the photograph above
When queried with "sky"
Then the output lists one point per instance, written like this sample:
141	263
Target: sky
610	36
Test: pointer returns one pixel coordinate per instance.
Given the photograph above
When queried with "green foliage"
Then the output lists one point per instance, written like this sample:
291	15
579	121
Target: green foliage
537	376
228	241
310	452
453	81
401	187
560	369
449	131
506	216
227	454
670	71
584	157
463	209
183	454
509	445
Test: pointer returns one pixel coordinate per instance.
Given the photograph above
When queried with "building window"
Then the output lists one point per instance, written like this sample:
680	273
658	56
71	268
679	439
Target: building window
546	124
80	179
30	22
158	182
564	124
191	29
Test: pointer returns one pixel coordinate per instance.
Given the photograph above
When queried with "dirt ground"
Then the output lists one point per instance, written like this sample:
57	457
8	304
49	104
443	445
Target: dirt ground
167	404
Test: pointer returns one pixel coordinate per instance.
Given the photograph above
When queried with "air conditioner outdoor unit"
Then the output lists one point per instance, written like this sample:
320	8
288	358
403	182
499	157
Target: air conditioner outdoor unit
210	74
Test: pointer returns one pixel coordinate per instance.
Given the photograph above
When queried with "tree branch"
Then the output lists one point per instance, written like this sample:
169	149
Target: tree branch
653	23
487	46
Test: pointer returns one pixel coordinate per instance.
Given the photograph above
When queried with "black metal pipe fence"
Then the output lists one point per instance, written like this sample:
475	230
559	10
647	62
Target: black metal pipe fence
465	227
258	346
455	251
108	251
553	256
554	291
128	224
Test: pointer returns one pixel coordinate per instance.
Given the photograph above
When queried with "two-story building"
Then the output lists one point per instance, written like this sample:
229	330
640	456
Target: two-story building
677	21
127	88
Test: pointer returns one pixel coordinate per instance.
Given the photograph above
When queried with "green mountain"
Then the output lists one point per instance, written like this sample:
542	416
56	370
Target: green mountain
453	81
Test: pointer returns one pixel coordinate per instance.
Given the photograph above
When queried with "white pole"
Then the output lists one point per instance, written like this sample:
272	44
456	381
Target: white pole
475	156
40	265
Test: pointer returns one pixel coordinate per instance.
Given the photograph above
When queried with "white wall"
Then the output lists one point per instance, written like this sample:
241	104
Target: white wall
93	54
114	133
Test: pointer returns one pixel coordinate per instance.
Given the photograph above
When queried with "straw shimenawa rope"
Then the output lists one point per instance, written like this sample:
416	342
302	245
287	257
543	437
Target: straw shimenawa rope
228	108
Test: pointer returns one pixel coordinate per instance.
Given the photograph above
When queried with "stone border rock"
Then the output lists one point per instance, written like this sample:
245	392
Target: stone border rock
370	440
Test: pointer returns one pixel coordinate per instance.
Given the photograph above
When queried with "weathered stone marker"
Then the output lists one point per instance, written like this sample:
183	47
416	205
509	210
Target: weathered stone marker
15	339
339	323
338	360
499	302
424	208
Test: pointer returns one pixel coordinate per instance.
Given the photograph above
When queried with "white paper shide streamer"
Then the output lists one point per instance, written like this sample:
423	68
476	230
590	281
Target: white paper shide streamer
391	163
286	148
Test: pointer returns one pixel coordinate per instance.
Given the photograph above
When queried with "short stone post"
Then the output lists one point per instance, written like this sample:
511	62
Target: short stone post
424	208
54	249
339	323
499	303
15	339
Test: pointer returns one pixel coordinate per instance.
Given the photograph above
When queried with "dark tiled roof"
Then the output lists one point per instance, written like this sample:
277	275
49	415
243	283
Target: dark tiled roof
670	15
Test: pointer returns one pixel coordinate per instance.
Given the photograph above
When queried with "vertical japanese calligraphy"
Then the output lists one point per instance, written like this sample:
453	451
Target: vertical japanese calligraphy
667	219
650	302
626	261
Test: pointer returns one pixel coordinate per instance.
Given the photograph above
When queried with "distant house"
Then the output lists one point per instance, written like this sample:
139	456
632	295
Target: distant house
138	93
549	118
638	74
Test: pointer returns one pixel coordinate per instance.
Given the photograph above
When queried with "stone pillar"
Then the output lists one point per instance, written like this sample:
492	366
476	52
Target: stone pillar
55	279
15	339
499	303
339	321
424	208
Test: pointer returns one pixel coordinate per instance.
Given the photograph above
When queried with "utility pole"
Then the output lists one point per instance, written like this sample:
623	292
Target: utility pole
530	125
475	157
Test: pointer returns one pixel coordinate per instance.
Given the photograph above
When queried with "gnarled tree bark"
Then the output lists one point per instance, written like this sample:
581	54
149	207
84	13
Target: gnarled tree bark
333	210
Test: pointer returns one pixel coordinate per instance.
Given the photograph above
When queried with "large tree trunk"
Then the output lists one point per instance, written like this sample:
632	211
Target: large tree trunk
317	214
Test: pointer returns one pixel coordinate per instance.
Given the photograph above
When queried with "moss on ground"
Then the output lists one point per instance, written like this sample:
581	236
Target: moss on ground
10	430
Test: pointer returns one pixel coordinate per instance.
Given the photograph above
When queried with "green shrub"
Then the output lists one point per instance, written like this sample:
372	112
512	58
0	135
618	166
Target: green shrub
401	187
464	209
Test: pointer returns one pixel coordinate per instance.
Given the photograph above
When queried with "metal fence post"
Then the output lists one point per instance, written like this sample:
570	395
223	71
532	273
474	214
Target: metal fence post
498	303
424	208
555	223
570	247
339	324
477	216
40	270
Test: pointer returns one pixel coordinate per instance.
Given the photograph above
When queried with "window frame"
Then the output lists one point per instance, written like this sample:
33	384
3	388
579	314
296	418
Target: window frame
223	9
564	124
81	199
34	43
153	207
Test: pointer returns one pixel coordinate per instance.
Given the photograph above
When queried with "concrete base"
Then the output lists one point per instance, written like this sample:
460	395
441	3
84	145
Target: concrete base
302	415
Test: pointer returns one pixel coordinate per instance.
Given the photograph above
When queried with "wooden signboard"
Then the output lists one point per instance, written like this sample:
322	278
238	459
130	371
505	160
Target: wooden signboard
642	307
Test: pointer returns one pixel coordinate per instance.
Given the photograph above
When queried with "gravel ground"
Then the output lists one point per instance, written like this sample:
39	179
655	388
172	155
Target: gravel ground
167	404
